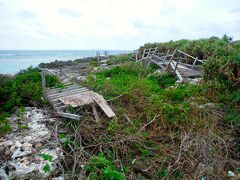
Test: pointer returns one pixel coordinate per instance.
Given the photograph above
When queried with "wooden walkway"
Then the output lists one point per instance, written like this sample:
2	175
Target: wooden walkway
73	95
183	65
102	58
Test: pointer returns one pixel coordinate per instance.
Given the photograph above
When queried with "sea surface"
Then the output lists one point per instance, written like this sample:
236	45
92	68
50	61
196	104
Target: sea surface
12	61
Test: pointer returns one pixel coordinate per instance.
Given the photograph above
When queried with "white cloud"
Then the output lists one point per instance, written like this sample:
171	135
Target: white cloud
112	24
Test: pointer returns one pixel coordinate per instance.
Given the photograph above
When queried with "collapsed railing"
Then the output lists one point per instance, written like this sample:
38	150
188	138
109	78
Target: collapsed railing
178	62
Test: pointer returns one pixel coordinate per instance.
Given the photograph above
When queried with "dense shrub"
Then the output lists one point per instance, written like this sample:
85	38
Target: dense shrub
25	89
221	71
223	55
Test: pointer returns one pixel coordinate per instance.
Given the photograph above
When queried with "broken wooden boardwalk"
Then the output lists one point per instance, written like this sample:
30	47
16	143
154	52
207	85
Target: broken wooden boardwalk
73	95
180	63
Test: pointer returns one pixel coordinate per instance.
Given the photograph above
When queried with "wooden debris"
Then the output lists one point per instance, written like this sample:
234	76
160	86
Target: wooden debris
95	112
74	95
180	63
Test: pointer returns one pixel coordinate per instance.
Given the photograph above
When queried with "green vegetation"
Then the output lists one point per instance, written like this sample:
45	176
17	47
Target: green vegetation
47	168
94	62
46	157
221	72
155	116
118	59
99	167
162	130
24	89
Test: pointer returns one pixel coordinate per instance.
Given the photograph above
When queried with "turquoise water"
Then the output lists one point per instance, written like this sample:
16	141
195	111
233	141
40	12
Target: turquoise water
12	61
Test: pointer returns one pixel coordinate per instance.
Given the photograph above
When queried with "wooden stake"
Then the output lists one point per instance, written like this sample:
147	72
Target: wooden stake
95	112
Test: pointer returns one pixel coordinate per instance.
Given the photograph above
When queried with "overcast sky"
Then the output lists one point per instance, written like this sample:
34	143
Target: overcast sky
112	24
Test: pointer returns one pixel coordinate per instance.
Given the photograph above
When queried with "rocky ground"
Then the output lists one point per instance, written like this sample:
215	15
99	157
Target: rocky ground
30	150
27	152
77	69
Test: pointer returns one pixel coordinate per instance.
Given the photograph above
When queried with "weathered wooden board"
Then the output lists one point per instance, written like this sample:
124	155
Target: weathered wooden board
59	90
102	103
68	115
76	100
67	94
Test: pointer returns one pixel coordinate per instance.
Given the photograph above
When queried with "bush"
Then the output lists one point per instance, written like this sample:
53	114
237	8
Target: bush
25	89
117	59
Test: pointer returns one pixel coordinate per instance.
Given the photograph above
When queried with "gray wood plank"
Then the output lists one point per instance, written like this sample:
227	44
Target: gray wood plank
52	99
102	103
66	93
68	115
62	89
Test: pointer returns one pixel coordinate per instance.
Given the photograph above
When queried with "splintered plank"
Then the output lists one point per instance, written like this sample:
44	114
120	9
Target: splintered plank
88	97
102	103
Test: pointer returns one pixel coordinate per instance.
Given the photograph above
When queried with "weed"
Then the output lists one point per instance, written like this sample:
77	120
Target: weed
47	168
46	157
94	62
99	167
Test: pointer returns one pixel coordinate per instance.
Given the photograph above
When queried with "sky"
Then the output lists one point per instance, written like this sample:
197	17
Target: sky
112	24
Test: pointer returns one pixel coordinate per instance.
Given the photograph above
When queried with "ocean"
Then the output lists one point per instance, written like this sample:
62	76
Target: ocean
12	61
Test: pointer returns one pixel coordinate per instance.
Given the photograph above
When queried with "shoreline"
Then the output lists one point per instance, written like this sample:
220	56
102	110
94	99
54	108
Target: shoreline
14	61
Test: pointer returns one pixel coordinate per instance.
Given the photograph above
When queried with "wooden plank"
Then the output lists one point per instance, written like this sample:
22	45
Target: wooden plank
102	103
186	54
68	115
95	113
177	72
61	107
48	71
51	91
174	52
165	58
143	53
67	94
58	104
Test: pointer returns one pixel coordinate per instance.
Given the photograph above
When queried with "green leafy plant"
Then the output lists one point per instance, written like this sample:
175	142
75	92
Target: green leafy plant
99	167
47	168
46	157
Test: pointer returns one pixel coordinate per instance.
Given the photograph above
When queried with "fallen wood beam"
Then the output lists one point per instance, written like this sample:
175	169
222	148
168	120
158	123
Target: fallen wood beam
177	72
68	115
102	103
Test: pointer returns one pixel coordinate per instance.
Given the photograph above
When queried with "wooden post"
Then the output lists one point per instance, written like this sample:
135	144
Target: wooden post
43	83
174	52
165	58
154	52
176	63
195	61
95	113
143	53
